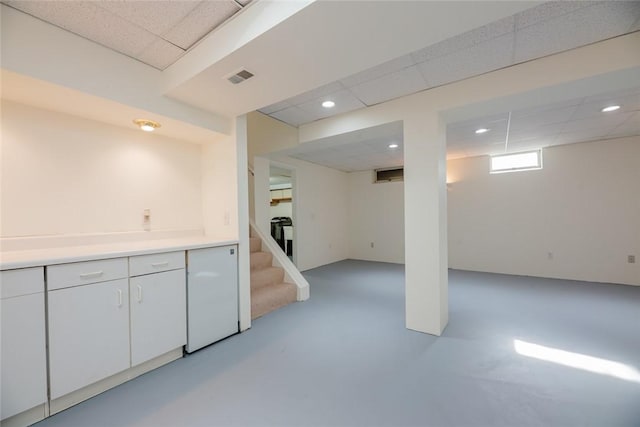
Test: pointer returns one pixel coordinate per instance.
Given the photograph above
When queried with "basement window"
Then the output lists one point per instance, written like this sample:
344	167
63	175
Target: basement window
516	162
388	175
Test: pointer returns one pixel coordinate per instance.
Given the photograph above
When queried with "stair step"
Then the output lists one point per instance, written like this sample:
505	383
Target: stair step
266	276
255	244
260	260
271	297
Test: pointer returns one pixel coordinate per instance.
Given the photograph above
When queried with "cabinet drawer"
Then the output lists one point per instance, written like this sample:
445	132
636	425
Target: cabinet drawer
23	281
154	263
82	273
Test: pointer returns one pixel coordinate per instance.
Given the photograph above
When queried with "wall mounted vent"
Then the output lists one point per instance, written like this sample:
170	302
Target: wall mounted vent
388	175
240	76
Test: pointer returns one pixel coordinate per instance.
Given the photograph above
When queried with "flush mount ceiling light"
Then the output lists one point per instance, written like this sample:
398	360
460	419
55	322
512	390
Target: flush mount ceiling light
328	104
146	125
482	130
393	145
610	108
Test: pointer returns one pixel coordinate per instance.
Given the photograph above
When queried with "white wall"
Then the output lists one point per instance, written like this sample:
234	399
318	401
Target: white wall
583	207
65	175
220	187
267	135
321	222
282	209
376	214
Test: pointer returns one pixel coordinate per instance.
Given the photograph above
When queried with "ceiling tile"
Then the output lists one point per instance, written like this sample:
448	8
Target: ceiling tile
160	54
517	147
629	127
88	20
201	21
488	56
467	128
275	107
593	109
316	93
602	123
378	71
548	10
552	106
466	40
345	101
400	83
583	26
533	120
154	16
579	136
537	132
293	115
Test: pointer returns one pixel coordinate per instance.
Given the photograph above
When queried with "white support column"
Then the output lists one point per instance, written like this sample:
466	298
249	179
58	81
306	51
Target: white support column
262	197
425	207
244	278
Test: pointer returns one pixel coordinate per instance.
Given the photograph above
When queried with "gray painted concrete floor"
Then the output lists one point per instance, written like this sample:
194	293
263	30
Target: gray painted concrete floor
344	358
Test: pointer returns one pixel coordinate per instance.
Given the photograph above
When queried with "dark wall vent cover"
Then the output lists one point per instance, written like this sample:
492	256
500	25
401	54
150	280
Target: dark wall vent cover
388	175
240	76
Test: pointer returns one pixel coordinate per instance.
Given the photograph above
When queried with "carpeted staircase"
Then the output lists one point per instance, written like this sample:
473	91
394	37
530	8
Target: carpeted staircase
269	292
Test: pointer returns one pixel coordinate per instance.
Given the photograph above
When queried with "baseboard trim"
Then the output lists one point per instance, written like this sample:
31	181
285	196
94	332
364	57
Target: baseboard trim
26	418
73	398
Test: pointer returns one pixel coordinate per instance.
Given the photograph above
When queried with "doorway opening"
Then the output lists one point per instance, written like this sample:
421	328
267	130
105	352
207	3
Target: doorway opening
281	210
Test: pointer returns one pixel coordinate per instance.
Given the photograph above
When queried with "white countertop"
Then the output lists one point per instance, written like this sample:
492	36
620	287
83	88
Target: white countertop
61	255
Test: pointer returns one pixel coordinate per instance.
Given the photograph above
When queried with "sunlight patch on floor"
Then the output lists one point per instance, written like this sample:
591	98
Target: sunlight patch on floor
577	360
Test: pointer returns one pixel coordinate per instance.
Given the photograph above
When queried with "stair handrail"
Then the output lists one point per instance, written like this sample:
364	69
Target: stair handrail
292	274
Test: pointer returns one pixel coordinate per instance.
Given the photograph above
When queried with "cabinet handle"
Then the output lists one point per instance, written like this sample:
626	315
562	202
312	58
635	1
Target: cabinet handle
139	293
119	297
91	275
159	264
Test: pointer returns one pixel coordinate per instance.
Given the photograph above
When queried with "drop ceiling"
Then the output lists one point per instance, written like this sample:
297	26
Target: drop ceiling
533	33
402	48
571	121
567	122
157	33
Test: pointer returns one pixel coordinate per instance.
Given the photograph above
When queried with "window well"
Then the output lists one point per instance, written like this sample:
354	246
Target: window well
528	160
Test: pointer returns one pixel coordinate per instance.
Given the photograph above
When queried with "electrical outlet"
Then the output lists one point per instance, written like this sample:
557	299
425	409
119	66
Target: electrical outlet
146	219
631	259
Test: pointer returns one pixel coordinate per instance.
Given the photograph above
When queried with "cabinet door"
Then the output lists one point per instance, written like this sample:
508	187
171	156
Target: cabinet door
88	334
158	314
212	295
24	364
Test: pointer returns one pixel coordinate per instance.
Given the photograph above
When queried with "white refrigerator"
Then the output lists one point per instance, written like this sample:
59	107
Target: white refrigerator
212	295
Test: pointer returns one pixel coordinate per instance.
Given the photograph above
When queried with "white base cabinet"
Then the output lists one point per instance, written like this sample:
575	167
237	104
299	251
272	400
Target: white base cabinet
88	334
107	321
23	346
158	314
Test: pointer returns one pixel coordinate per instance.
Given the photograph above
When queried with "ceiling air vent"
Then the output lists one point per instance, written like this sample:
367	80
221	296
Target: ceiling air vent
388	175
240	76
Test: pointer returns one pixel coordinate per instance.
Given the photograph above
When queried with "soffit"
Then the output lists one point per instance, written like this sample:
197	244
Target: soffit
157	33
543	30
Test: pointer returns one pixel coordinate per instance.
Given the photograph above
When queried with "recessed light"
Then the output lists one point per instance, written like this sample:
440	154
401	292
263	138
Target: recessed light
146	125
328	104
393	145
610	108
482	130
